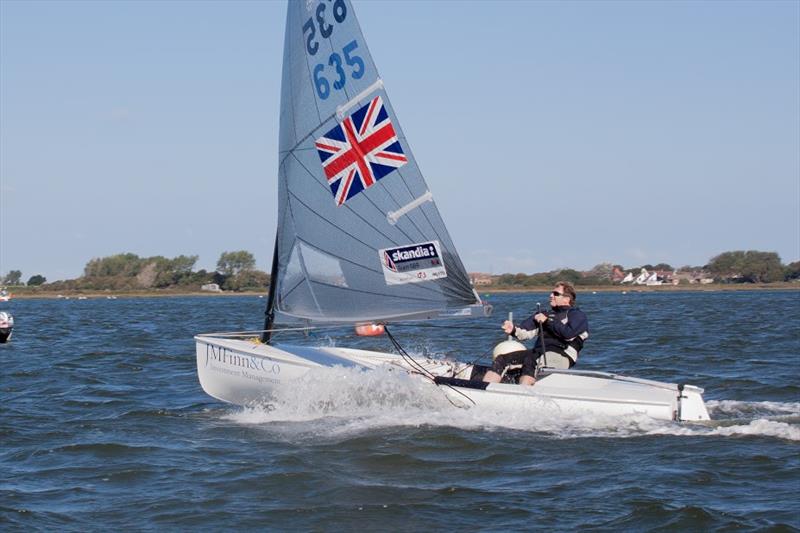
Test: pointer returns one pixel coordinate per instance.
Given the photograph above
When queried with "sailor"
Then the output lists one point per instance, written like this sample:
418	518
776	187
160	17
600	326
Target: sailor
564	330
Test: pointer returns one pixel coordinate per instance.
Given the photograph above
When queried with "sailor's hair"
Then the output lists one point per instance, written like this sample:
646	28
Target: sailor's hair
568	289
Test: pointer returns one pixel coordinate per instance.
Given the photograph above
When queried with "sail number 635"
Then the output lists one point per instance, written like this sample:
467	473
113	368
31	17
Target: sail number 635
335	60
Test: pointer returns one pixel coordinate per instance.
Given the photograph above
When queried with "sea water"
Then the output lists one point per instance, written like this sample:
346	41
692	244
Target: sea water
103	425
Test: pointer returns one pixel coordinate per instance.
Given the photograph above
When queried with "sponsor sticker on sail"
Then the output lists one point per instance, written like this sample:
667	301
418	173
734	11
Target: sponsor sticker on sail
412	263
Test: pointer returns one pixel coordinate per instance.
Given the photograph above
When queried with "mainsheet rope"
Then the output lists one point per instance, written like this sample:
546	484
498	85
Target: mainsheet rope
413	363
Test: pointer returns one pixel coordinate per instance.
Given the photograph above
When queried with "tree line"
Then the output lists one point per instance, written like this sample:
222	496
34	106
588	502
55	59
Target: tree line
236	271
752	266
14	277
739	266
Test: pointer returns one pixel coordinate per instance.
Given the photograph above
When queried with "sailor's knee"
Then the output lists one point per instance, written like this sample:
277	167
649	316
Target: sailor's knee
499	364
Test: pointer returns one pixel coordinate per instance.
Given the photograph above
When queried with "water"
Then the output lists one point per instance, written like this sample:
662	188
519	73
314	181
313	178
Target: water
103	425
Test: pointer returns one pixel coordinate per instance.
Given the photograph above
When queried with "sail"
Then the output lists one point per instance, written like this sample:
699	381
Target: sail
359	235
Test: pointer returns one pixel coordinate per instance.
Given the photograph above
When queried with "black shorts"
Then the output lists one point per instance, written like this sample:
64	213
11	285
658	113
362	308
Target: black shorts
526	357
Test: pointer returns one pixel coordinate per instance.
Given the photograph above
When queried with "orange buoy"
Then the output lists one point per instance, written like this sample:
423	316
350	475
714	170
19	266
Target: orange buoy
369	330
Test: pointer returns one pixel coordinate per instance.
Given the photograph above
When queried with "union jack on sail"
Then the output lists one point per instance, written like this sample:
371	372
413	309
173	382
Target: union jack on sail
359	151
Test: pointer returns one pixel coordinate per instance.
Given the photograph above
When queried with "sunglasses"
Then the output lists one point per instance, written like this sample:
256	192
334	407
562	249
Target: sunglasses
556	293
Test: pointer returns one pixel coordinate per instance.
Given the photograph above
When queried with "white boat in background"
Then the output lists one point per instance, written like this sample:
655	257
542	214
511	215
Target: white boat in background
4	295
6	326
360	241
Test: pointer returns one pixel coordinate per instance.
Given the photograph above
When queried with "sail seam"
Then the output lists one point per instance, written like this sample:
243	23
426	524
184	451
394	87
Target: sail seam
307	277
311	77
349	208
310	134
291	153
290	291
373	293
296	198
456	274
460	282
342	109
290	215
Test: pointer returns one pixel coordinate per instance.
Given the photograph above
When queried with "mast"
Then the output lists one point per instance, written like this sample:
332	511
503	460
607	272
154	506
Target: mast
269	313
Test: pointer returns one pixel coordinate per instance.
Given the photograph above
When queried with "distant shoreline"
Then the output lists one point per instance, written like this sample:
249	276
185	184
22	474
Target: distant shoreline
31	294
711	287
102	295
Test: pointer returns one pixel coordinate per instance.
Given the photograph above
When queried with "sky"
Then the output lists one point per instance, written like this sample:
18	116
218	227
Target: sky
552	134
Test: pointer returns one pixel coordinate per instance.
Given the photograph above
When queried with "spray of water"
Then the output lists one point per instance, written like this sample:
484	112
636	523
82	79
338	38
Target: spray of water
338	402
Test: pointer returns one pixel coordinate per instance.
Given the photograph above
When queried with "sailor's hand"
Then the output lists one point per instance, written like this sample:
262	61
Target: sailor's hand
508	327
540	317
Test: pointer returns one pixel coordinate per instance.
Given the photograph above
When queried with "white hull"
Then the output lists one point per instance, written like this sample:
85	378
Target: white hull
242	372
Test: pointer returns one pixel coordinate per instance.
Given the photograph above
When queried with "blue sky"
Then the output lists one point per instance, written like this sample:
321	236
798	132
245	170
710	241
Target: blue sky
552	134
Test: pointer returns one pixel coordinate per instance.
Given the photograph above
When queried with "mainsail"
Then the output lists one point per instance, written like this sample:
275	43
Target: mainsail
359	235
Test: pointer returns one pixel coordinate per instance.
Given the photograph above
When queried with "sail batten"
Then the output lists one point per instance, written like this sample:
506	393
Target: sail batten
298	199
342	109
418	288
379	212
344	233
345	164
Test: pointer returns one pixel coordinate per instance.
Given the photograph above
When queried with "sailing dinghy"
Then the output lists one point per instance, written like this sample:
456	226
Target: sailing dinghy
360	241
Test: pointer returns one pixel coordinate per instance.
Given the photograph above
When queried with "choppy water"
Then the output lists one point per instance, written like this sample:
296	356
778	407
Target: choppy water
103	424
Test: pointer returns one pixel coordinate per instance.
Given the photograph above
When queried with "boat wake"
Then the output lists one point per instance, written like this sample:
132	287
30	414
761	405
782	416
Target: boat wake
340	402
